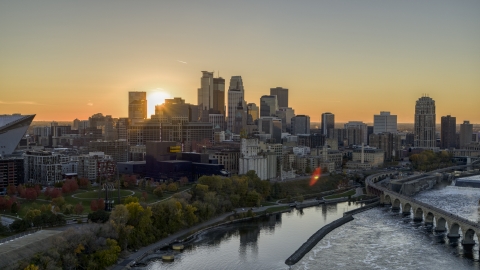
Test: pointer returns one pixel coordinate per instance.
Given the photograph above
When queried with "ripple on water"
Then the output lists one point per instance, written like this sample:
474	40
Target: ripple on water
376	240
459	201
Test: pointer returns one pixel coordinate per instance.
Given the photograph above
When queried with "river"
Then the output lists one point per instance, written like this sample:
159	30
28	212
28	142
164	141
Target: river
376	239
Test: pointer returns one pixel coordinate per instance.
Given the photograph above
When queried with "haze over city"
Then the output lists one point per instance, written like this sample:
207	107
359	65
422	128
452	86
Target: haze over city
63	61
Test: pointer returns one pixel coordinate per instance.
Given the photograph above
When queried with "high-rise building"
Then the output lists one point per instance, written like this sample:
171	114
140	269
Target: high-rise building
253	112
301	124
205	92
219	95
235	94
11	172
328	124
356	132
384	122
272	126
282	96
176	108
286	114
268	106
137	106
240	118
425	123
390	143
448	131
466	131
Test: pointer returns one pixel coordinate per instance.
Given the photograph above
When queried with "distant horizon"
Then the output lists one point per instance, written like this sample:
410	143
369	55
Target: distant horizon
66	60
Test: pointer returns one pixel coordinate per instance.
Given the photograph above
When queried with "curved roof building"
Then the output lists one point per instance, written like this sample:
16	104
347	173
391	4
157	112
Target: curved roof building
12	129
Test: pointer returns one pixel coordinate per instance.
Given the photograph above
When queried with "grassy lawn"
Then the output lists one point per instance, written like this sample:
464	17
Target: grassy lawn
85	196
340	195
269	203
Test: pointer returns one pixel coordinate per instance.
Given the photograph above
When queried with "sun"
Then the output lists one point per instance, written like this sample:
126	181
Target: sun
155	97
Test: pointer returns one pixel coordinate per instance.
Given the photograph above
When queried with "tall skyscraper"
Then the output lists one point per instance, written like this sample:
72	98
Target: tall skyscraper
211	95
235	94
282	96
384	122
328	124
205	92
137	105
448	132
466	131
425	123
219	95
301	124
268	106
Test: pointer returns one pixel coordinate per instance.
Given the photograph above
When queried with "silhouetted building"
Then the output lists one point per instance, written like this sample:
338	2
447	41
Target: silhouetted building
466	131
282	96
11	172
448	131
137	106
268	106
384	122
235	95
328	124
425	136
301	124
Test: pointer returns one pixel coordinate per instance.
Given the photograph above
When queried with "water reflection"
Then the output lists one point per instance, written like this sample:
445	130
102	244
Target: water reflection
263	243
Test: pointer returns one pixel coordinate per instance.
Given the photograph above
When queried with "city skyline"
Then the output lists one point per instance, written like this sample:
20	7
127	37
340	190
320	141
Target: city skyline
361	59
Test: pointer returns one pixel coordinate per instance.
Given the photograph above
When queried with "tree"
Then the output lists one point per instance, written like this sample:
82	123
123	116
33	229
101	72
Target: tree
30	194
172	187
31	267
19	225
118	219
21	191
11	189
58	201
130	199
308	169
15	207
78	209
99	216
158	192
94	205
183	181
31	214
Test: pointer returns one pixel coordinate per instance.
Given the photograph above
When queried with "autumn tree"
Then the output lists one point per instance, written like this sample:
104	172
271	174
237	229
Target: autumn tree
11	189
158	192
78	209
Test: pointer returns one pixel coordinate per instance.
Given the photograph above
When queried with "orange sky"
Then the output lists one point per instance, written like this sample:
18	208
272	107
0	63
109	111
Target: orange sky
63	61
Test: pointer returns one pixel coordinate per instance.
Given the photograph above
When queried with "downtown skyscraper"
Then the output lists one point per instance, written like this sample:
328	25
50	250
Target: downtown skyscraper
211	95
137	106
448	132
236	95
282	96
424	130
328	124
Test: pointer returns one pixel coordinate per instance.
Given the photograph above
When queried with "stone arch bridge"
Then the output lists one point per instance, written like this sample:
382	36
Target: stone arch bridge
431	215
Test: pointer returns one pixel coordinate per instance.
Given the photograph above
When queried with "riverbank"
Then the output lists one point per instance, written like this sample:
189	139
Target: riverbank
221	220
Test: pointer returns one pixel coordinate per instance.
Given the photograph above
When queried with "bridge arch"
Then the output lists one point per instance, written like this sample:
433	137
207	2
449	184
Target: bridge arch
406	208
429	218
454	231
396	205
388	200
441	225
418	215
468	237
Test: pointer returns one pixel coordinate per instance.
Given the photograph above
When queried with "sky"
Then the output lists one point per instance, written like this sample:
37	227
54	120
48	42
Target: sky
64	60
